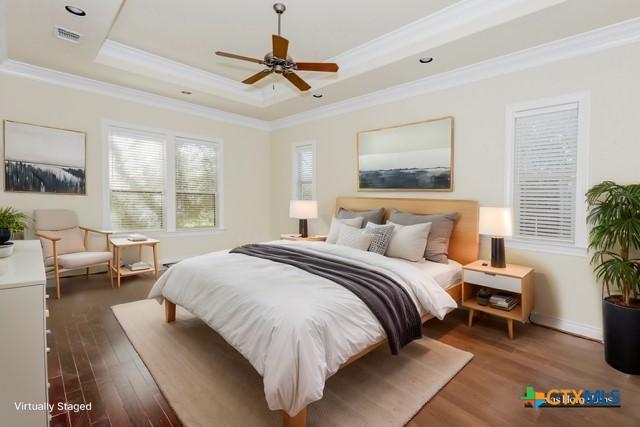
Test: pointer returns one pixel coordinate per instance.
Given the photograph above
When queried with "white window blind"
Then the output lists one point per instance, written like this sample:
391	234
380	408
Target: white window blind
304	171
545	172
196	172
136	179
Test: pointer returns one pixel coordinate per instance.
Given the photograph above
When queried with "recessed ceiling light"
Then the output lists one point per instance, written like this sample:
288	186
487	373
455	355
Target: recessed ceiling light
317	95
185	92
425	60
75	10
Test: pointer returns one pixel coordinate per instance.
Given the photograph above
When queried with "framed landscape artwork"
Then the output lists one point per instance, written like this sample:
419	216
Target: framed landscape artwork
411	157
41	159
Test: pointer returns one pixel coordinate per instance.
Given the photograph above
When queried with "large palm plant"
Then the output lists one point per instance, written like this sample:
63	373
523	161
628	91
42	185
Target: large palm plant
614	213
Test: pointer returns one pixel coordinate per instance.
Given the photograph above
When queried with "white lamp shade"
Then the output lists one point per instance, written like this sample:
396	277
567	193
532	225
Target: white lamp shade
303	209
496	222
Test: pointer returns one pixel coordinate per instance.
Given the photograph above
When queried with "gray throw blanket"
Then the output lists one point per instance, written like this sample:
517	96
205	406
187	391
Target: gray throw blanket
387	300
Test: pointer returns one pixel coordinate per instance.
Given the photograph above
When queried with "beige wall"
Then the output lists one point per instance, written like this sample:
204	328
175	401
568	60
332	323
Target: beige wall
246	172
566	293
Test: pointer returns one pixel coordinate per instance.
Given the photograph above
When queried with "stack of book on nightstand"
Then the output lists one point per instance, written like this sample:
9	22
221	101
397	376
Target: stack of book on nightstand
504	301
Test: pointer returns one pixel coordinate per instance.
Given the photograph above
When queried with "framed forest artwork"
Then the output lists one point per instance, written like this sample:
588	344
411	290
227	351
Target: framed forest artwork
411	157
40	159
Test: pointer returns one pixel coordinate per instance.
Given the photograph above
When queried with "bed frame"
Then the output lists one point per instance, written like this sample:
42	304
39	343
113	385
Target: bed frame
463	247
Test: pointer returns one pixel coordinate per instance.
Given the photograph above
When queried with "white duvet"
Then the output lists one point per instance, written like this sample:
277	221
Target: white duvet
295	328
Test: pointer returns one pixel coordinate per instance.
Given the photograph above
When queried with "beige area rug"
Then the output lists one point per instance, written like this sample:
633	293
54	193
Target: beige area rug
208	383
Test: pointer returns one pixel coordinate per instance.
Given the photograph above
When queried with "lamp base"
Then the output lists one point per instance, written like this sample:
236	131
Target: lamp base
498	258
302	228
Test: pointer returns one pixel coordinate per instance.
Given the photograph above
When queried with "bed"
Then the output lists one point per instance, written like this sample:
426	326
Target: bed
297	329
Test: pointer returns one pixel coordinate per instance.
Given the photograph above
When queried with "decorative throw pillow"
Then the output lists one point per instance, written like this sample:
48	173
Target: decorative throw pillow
336	225
381	237
408	241
354	238
374	215
441	229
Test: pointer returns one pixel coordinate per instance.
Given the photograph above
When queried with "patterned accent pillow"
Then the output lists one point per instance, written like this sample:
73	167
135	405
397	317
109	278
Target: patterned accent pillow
354	238
381	237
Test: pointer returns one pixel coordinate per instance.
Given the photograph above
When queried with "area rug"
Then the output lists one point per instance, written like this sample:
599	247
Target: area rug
208	383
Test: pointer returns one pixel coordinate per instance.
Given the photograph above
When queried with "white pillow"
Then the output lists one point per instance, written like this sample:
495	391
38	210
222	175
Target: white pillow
336	225
356	238
408	241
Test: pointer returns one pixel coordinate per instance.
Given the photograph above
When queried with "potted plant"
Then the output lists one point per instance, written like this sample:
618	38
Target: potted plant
614	213
11	221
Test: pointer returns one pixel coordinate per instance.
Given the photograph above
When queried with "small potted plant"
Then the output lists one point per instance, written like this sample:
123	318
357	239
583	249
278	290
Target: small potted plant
483	296
11	221
614	213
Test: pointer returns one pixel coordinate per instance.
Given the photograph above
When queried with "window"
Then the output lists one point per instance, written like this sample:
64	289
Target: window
160	181
546	158
304	171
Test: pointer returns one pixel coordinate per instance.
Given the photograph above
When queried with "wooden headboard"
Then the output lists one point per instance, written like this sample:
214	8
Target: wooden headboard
465	240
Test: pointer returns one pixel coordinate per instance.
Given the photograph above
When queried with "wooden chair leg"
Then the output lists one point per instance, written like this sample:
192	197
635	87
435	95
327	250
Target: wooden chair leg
169	311
56	270
510	328
471	313
299	420
110	273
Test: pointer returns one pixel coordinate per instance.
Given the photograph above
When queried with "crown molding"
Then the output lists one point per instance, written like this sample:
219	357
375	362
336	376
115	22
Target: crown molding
130	59
612	36
616	35
34	72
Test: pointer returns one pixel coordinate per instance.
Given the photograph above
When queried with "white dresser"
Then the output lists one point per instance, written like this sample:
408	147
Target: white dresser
23	340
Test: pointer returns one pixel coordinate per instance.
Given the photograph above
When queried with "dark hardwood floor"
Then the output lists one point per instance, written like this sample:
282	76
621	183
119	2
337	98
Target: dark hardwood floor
91	360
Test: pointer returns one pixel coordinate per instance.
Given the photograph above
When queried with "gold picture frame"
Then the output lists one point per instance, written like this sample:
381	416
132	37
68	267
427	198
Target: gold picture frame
388	166
65	179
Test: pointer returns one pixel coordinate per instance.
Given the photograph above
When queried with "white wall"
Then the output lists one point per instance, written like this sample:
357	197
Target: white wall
246	172
566	293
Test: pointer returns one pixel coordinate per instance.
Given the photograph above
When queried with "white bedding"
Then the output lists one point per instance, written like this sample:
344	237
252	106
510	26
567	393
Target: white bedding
445	274
295	328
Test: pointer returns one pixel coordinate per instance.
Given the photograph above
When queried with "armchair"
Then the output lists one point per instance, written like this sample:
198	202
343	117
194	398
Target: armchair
65	244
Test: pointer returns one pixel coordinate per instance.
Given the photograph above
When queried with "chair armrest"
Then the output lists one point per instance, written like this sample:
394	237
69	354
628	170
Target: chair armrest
48	237
93	230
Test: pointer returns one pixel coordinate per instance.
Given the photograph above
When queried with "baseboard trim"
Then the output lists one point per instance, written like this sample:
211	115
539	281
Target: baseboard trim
567	326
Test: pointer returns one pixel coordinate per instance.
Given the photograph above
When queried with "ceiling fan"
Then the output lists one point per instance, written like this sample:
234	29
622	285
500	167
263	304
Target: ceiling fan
277	61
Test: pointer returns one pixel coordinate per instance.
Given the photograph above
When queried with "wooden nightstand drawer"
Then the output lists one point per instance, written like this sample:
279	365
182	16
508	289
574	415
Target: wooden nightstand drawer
505	283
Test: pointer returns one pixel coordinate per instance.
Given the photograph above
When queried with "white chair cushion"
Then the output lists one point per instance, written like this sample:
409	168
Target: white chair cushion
83	259
54	219
71	241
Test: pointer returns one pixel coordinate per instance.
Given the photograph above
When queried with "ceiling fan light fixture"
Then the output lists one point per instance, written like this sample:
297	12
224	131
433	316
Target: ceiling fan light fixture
425	59
75	10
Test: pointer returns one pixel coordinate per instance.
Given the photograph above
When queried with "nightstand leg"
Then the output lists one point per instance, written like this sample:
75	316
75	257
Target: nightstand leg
510	328
471	312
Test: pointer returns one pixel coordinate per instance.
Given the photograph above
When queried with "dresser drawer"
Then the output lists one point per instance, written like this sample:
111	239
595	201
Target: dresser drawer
505	283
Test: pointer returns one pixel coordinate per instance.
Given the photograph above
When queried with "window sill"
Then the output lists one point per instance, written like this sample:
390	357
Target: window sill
157	234
537	246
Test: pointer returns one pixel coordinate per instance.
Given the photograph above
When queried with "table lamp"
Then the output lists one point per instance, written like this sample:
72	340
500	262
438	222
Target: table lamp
496	222
303	210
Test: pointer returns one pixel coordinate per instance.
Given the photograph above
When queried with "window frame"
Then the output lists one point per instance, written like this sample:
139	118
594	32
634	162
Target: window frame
295	188
169	181
513	111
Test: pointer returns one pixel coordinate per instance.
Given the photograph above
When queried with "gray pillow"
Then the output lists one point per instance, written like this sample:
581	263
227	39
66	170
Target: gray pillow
375	216
439	235
381	237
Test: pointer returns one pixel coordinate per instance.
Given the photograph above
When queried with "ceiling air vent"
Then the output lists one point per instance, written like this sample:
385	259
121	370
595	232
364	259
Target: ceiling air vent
67	35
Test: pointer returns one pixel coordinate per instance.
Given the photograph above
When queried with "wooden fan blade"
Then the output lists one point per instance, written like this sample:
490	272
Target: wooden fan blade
240	57
297	81
280	46
327	67
258	76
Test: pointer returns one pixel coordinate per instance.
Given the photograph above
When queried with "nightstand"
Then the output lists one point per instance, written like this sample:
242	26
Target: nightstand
311	238
513	279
